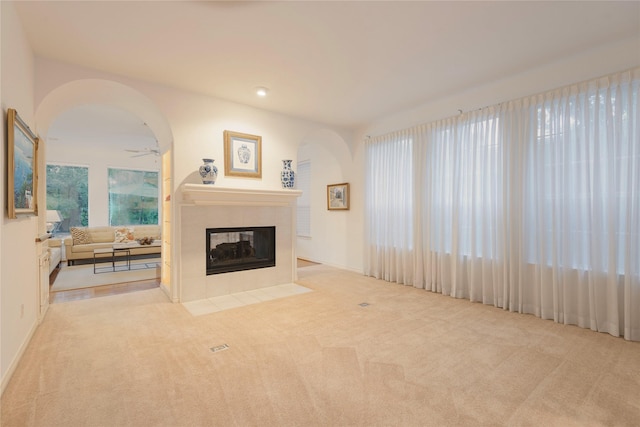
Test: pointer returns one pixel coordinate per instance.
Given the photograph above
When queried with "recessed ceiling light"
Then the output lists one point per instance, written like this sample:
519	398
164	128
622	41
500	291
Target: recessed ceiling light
262	91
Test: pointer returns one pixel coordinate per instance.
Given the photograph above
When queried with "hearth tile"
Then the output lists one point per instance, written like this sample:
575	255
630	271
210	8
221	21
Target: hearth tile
240	299
225	302
261	294
247	298
200	307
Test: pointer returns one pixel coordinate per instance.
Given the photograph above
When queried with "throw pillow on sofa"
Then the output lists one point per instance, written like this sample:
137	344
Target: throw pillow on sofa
80	236
123	234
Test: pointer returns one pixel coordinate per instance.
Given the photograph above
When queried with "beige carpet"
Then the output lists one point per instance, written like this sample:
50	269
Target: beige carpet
82	276
409	358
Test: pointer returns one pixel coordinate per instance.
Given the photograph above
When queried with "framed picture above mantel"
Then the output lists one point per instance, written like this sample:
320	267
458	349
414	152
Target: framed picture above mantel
22	165
242	155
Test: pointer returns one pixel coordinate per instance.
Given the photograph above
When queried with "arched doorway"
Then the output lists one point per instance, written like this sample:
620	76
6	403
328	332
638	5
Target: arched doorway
328	159
113	95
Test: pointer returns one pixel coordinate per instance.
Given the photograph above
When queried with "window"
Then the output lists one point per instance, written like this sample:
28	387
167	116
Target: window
68	193
303	179
577	170
390	192
531	205
462	191
133	197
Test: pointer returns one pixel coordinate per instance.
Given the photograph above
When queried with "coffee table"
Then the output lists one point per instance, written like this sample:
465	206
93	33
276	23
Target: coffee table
135	245
113	253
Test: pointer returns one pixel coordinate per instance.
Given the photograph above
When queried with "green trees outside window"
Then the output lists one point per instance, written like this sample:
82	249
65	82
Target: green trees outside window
133	197
68	193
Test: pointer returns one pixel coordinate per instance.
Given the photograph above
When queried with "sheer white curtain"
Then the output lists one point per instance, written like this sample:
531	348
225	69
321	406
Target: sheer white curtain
389	217
533	205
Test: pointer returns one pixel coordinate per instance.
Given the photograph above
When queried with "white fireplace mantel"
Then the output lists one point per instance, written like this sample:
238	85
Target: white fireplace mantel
208	206
201	194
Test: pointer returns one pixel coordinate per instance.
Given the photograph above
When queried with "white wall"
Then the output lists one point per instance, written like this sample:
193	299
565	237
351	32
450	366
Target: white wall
99	160
19	304
197	124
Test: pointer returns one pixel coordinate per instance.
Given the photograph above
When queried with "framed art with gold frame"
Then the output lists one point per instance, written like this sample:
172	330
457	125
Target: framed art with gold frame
338	196
242	155
22	167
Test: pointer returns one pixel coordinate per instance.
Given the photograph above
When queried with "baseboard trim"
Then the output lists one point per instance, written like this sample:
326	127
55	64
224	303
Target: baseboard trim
341	267
16	360
167	292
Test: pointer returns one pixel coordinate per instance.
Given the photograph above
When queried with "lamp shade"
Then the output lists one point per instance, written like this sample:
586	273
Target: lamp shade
53	216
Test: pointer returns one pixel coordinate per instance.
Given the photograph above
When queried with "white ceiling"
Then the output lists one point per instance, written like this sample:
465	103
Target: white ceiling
340	63
102	126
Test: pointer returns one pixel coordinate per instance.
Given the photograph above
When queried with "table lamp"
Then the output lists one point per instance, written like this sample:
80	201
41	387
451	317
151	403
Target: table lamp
53	219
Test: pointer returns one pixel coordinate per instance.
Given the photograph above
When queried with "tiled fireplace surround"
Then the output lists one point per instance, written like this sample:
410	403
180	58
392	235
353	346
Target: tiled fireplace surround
208	206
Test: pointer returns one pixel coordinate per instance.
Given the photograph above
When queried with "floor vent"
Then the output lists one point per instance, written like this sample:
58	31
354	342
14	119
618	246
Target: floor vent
219	348
364	304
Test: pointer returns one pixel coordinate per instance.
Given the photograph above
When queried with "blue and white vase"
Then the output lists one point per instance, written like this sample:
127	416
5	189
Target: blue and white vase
287	176
208	172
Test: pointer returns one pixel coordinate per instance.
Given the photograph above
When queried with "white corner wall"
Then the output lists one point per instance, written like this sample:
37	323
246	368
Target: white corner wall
19	304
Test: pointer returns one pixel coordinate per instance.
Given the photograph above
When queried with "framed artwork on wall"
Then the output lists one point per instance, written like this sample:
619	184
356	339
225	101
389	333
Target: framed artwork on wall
22	167
338	196
242	155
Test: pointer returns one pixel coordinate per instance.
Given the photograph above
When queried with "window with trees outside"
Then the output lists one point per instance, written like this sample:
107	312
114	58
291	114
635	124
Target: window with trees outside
133	197
68	193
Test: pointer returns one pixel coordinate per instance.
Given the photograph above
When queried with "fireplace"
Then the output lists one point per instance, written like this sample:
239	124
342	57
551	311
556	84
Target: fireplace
209	206
240	248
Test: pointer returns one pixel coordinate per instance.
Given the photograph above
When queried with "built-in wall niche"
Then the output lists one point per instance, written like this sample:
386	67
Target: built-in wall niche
240	248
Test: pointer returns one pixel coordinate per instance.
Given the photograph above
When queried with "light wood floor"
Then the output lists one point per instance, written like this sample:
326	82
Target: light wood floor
102	291
305	263
96	291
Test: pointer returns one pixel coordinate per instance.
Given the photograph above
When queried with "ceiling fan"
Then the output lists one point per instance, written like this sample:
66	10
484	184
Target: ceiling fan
144	152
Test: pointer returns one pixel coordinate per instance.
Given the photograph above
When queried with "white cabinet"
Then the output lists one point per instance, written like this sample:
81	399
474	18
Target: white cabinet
43	281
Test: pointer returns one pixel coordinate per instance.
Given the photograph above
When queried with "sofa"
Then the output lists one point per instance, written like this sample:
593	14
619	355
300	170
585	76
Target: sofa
55	254
83	240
